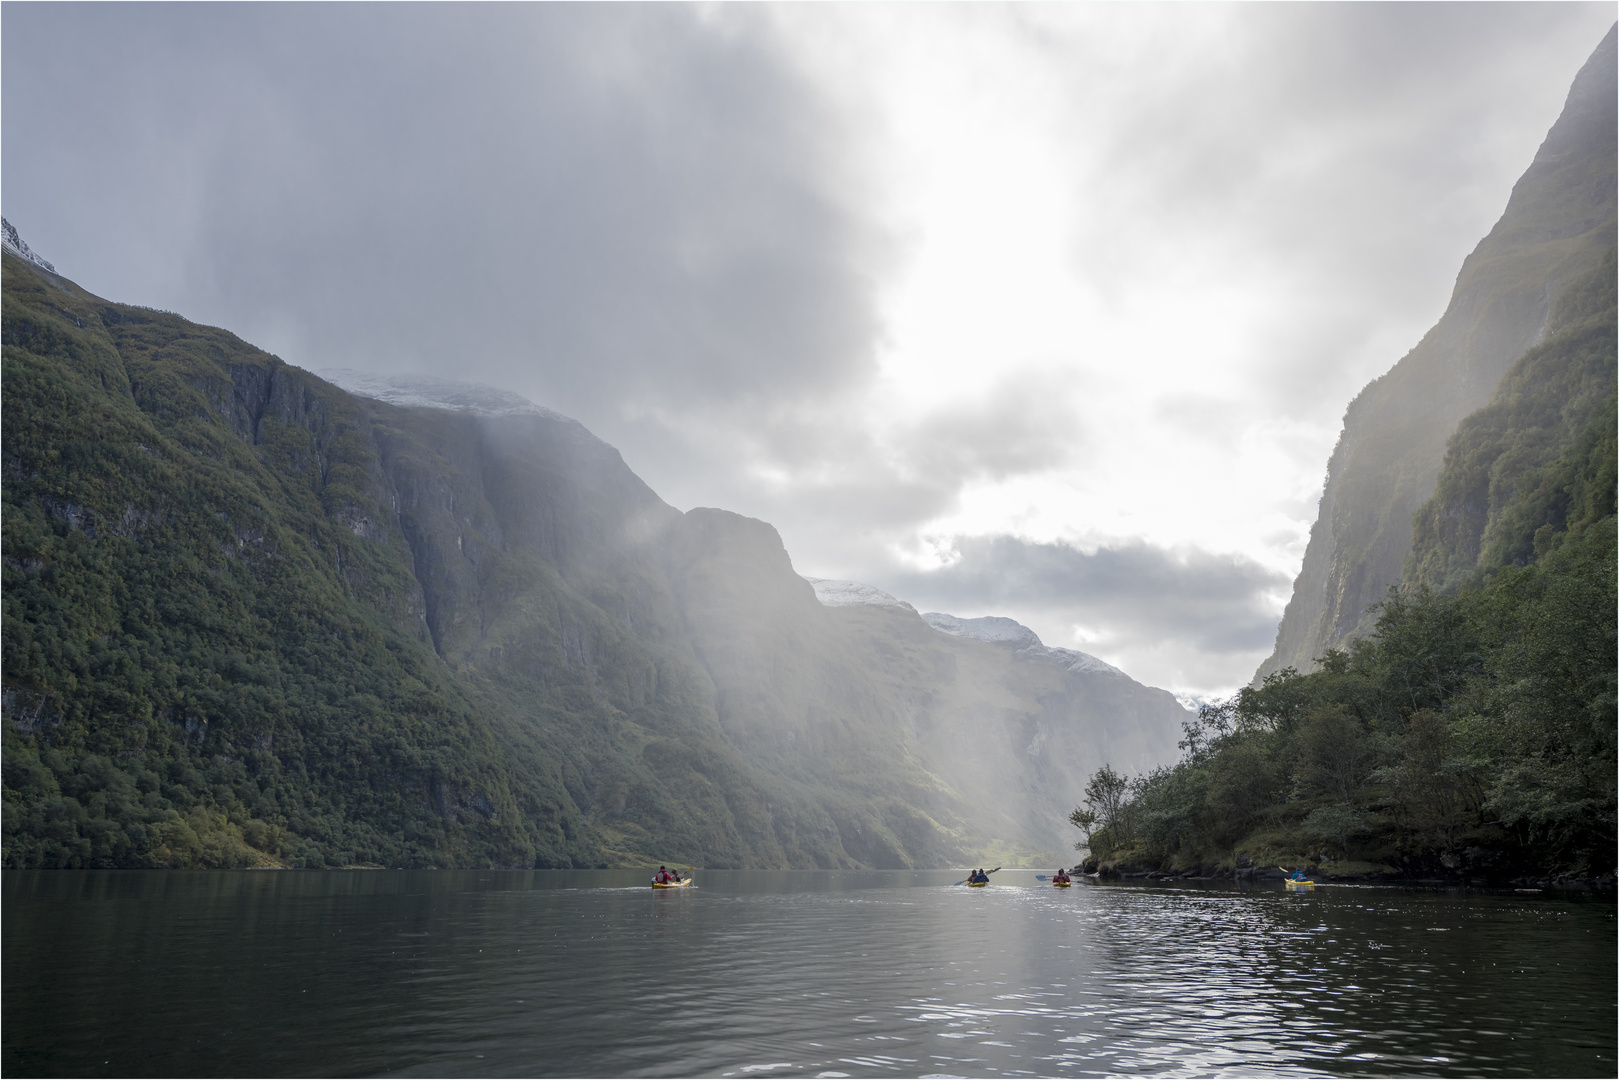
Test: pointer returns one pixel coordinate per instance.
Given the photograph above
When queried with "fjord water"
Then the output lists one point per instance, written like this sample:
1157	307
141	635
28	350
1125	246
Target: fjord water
761	973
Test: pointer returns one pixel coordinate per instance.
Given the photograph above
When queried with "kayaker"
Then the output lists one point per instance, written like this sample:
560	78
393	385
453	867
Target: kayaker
1060	875
1298	875
663	876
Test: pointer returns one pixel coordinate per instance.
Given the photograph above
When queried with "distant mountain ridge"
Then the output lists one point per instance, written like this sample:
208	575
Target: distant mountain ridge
1011	634
1558	225
991	629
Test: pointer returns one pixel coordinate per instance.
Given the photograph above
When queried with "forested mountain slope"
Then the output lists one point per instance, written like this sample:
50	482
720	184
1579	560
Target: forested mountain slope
253	618
1473	731
1557	225
1537	462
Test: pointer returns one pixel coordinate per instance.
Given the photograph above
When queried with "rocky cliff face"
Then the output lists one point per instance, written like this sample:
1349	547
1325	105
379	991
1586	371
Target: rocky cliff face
251	617
1557	225
1537	463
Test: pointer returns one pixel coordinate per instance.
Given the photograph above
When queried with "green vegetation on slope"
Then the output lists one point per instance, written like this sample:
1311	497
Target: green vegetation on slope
1474	730
1537	461
205	663
250	619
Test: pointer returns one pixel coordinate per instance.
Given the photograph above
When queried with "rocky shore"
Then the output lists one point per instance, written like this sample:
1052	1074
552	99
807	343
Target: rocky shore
1243	868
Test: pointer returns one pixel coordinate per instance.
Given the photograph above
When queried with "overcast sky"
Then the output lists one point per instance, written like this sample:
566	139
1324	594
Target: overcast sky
1049	311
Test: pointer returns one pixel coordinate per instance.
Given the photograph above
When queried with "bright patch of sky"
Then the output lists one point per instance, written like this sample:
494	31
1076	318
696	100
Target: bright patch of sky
1141	322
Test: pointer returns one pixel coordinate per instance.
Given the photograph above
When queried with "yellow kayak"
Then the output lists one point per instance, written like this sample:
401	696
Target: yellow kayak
1062	884
671	884
976	884
1290	883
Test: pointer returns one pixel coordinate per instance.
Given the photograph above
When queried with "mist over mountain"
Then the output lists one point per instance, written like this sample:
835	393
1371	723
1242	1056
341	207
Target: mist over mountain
1558	225
252	617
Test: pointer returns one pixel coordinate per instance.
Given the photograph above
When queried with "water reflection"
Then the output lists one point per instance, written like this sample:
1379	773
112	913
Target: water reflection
591	973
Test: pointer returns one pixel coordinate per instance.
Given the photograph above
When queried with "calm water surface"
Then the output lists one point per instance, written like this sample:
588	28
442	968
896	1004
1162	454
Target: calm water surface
766	974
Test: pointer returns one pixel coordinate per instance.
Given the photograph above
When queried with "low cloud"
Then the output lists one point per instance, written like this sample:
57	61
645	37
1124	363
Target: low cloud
603	208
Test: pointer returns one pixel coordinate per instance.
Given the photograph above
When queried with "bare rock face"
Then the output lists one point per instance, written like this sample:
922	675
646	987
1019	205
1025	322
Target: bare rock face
1558	224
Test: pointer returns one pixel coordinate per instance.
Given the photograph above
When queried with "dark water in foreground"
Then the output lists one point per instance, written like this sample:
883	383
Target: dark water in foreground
767	974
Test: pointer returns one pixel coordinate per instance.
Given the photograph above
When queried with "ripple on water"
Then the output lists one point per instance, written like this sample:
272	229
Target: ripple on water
792	975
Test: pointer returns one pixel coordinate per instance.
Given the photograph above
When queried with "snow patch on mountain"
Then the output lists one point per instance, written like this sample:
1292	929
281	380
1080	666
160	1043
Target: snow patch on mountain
991	628
9	237
1075	660
427	392
1192	703
1009	633
834	593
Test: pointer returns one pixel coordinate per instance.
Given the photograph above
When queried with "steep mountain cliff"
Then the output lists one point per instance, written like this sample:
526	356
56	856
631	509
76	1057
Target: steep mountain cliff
1472	732
253	618
1537	462
1557	226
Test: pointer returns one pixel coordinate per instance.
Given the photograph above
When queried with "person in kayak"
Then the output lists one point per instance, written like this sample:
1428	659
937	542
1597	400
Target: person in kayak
1298	875
662	877
1060	875
979	875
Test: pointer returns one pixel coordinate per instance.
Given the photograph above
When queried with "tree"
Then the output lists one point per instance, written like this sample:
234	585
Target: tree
1106	798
